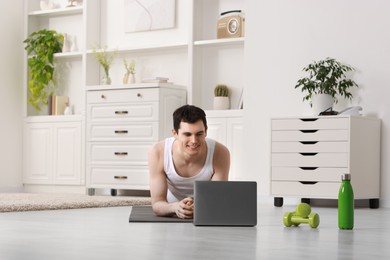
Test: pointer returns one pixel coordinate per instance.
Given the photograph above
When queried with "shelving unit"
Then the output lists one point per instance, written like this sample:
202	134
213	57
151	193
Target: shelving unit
189	54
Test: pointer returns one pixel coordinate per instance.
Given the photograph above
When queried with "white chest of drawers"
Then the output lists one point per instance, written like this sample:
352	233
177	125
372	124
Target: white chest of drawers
309	155
122	124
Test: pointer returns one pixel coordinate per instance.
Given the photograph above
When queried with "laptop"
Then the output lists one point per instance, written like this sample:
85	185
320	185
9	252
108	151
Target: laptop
225	203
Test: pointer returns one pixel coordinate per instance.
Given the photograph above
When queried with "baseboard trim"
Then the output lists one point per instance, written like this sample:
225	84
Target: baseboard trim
292	201
11	189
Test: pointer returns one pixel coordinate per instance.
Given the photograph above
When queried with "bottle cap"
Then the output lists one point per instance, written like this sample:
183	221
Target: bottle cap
346	177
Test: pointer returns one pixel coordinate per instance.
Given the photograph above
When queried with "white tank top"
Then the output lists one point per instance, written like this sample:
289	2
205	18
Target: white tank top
182	187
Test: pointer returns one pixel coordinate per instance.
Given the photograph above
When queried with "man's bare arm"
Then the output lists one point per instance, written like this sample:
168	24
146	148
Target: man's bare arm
221	163
159	187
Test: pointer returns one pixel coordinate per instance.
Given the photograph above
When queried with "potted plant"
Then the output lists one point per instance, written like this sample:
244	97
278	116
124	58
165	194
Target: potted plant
327	79
105	59
221	97
130	71
41	46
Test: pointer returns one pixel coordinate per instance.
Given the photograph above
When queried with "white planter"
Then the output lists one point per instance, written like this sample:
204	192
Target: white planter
321	102
221	103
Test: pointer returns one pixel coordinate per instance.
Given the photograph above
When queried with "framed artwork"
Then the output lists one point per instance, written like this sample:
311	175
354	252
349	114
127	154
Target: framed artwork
149	15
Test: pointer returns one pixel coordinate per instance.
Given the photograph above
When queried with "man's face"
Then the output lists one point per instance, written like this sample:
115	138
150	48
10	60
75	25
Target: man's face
191	136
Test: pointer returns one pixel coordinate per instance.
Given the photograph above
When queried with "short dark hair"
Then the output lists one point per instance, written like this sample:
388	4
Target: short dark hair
188	114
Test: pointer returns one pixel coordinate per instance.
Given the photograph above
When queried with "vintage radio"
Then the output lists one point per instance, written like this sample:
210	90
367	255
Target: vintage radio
231	24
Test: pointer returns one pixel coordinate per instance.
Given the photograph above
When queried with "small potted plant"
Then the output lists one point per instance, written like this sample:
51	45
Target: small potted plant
105	59
327	79
130	71
221	97
41	47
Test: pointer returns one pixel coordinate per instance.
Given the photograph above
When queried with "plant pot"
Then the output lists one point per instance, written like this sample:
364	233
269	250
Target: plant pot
221	103
321	102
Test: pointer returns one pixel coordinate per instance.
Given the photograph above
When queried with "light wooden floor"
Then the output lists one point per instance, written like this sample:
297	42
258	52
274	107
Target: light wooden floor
104	233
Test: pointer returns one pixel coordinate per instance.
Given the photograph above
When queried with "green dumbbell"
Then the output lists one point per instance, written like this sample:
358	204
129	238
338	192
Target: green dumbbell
301	216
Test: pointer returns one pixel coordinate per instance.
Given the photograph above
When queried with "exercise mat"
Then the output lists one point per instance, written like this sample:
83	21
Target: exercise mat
146	214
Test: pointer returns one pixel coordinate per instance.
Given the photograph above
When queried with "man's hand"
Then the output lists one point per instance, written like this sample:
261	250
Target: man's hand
185	208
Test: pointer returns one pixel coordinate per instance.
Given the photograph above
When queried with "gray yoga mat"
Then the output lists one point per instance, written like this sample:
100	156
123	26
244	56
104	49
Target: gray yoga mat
146	214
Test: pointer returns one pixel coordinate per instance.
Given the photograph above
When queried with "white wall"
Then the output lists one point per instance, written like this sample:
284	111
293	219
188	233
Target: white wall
284	36
11	97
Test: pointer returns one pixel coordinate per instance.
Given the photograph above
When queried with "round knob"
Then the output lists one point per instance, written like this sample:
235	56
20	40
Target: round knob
139	95
103	96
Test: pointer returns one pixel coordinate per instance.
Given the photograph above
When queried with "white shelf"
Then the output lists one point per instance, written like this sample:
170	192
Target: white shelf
221	42
58	118
58	11
68	55
144	48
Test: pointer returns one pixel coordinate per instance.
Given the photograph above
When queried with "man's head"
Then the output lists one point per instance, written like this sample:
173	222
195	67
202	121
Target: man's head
188	114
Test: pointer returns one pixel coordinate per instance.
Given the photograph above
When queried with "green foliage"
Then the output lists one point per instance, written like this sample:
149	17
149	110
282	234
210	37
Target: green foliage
326	77
221	91
41	45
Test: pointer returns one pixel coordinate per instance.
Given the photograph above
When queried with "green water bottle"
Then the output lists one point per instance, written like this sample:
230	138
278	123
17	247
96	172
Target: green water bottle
346	203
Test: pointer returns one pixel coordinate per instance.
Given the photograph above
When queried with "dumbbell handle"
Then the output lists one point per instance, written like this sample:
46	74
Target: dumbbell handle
299	219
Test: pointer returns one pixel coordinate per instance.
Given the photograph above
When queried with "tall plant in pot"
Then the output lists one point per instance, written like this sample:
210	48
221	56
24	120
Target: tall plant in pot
221	97
326	81
41	47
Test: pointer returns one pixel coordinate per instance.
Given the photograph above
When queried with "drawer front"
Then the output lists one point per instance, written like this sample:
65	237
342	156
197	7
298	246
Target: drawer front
124	112
288	147
129	154
310	160
122	95
316	135
308	174
325	190
310	123
147	131
131	177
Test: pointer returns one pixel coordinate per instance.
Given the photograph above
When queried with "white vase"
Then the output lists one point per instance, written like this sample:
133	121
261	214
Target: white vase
221	103
131	78
46	5
321	102
65	46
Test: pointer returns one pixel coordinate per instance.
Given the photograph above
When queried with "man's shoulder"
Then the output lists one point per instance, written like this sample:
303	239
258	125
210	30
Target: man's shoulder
159	145
220	148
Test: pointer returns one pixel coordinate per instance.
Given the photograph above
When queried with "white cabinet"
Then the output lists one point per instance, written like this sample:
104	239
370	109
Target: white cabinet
53	152
310	154
122	125
227	128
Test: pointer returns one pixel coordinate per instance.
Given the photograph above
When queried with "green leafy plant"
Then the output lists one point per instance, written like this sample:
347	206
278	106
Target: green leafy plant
326	77
105	59
221	91
41	47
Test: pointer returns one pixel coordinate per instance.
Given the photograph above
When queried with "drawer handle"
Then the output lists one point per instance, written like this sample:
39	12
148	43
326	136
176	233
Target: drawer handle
307	142
308	154
121	131
121	112
308	119
308	131
308	168
120	153
103	96
120	177
309	182
139	95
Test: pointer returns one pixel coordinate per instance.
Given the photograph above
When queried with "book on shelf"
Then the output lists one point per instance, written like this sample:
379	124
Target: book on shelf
155	80
58	104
